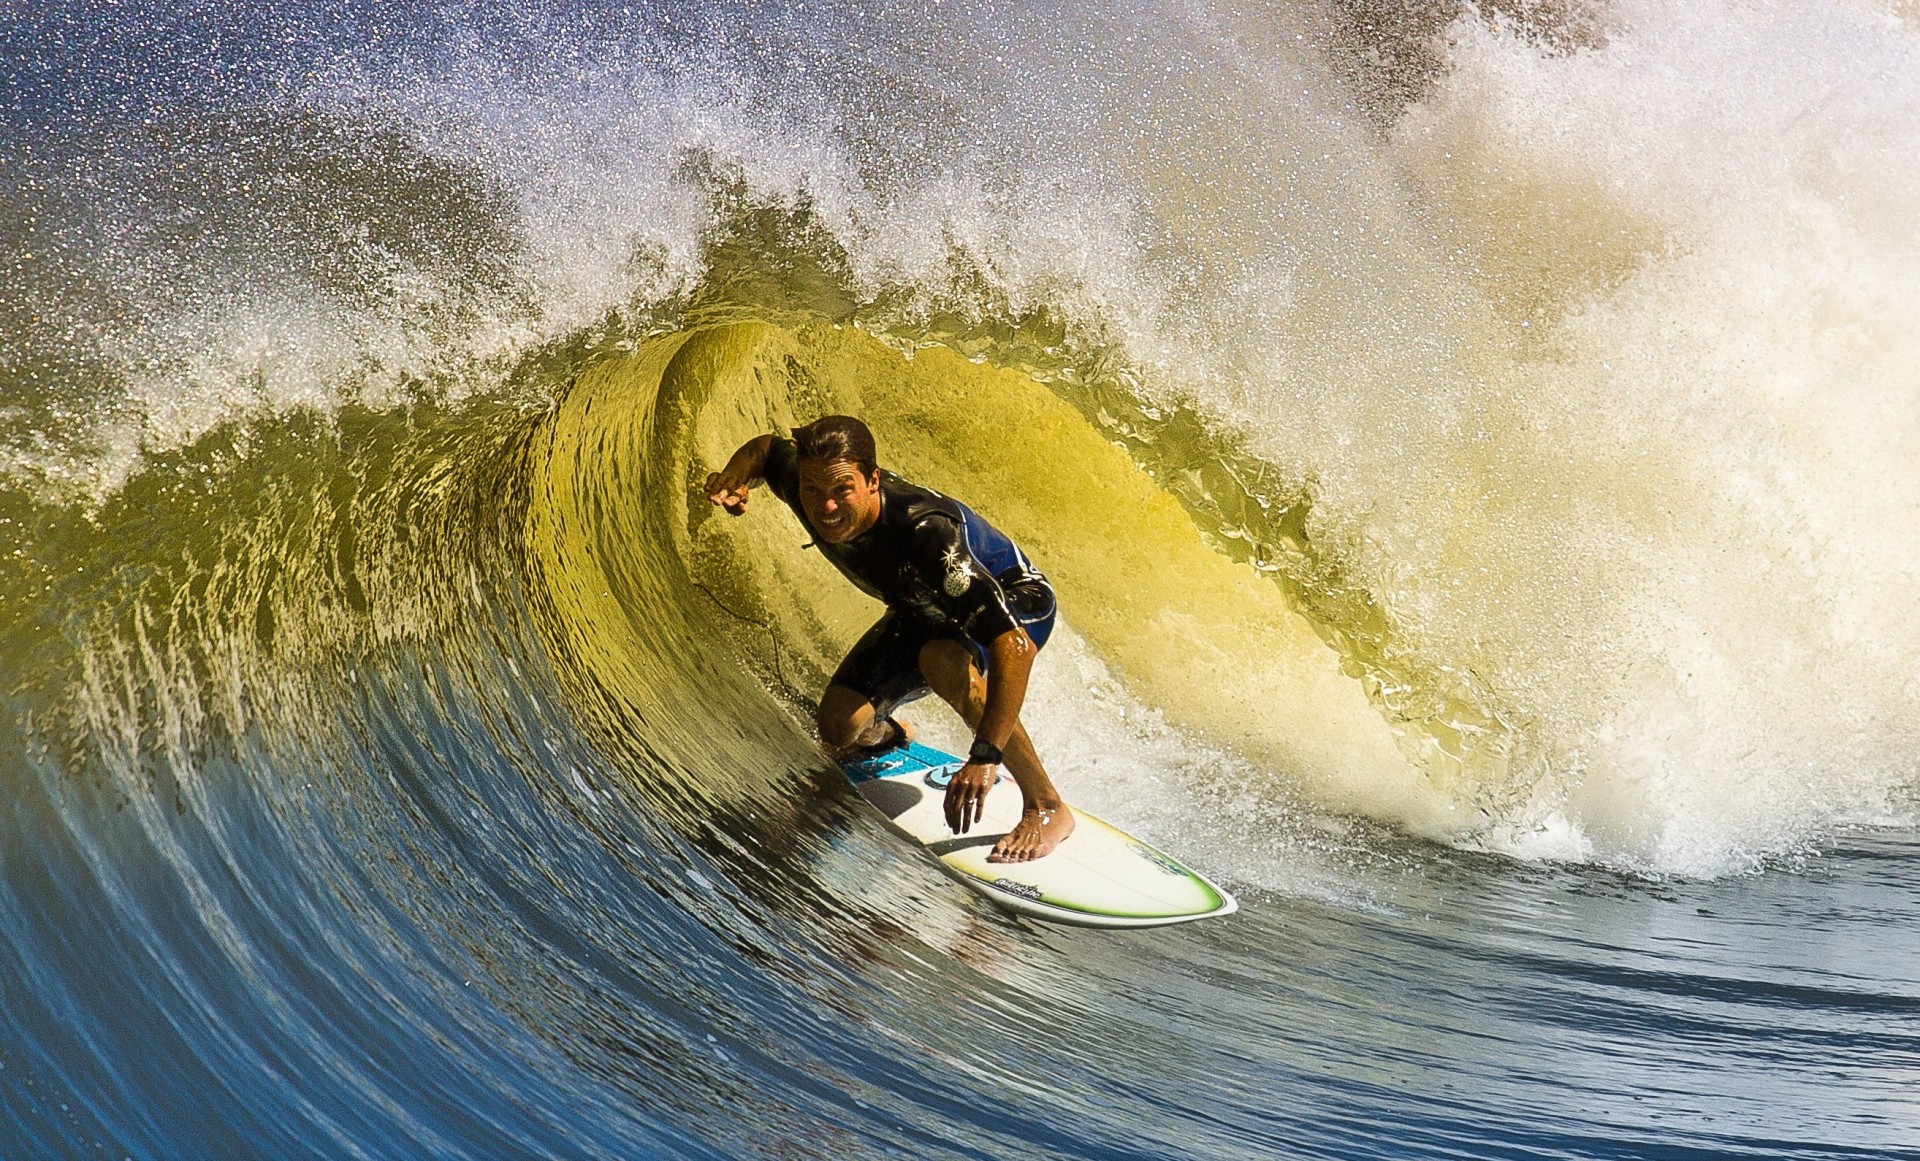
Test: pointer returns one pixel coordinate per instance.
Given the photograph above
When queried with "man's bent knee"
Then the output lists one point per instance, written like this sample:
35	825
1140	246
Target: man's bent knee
843	716
840	732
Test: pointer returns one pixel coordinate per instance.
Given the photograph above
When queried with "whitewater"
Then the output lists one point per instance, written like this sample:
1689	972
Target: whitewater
1477	448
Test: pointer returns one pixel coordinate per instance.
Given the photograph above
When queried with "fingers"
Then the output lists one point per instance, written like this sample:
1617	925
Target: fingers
958	796
966	801
732	497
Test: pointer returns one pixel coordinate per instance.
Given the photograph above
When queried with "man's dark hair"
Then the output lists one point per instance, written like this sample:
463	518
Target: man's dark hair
834	438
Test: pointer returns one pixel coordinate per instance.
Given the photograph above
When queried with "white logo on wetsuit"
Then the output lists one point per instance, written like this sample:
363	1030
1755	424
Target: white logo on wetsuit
959	580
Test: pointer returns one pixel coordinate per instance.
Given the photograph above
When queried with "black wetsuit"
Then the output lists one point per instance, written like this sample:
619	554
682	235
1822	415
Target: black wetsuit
942	572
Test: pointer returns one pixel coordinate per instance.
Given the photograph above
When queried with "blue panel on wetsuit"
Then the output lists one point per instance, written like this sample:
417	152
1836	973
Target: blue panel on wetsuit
989	546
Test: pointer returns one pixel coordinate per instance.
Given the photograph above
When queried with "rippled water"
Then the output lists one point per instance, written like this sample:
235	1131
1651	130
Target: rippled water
1474	447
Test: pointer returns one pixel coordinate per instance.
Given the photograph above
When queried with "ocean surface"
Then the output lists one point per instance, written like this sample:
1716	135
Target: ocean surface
1477	447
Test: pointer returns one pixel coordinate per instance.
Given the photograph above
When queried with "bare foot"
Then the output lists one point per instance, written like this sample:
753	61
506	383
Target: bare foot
1034	836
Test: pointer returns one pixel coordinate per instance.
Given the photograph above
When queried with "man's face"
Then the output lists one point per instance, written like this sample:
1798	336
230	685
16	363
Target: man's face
840	502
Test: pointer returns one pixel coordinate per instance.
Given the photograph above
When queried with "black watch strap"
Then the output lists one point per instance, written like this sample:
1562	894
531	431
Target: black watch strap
985	752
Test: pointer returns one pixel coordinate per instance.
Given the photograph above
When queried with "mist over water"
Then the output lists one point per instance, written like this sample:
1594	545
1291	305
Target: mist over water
1476	447
1699	450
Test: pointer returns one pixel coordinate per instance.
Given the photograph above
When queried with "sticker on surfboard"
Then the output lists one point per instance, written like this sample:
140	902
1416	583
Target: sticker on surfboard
939	777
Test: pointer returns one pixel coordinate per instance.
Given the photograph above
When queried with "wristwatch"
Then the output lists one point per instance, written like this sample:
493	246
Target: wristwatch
984	752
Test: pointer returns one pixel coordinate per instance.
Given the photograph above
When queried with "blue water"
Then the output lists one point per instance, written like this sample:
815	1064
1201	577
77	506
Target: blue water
443	952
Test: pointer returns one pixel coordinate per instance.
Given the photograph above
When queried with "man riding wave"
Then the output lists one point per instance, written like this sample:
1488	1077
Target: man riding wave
966	613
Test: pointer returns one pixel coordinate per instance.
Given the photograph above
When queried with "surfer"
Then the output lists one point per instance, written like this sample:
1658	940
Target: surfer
966	613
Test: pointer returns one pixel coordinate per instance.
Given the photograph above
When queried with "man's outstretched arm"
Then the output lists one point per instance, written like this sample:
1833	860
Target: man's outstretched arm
728	487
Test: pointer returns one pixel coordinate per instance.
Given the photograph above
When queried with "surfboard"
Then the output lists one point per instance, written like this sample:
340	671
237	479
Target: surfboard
1099	877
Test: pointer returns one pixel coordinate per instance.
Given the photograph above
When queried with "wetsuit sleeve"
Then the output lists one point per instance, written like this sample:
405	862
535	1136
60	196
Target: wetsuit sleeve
782	471
963	590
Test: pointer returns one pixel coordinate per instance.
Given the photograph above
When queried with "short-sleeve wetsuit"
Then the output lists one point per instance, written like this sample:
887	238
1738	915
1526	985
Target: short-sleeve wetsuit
942	572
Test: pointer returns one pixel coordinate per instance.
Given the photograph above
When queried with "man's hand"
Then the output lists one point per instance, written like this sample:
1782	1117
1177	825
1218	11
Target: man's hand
967	795
728	491
728	487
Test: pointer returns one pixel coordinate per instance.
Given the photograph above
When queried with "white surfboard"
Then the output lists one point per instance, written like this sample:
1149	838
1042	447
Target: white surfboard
1099	877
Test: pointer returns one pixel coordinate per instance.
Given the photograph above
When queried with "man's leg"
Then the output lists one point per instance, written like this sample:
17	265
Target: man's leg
847	721
884	663
1044	821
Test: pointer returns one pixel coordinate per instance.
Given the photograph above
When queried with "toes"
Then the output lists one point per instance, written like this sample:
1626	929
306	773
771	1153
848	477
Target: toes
1011	852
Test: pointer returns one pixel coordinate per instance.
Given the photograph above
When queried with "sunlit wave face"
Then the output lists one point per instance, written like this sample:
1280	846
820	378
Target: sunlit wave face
841	503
